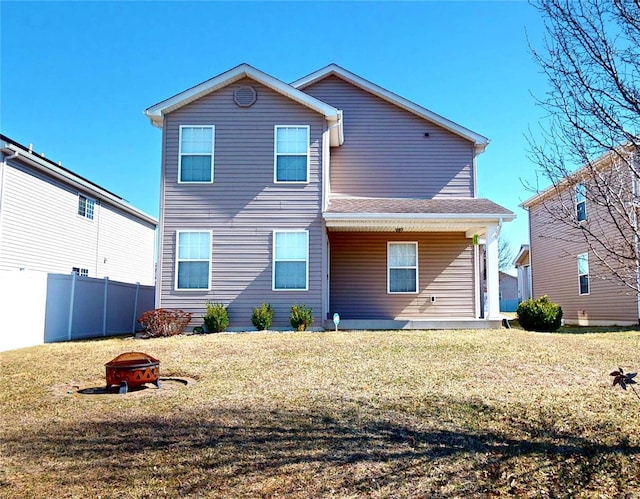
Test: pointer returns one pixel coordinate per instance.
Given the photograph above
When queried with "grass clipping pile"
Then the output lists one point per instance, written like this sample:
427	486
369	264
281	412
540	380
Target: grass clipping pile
358	414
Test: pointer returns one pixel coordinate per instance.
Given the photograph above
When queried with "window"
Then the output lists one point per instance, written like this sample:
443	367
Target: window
581	202
81	272
290	260
85	206
291	153
194	260
196	154
402	262
583	273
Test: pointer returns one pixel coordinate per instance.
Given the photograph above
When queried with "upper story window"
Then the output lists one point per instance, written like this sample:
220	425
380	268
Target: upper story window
193	260
581	202
85	206
402	267
196	154
583	273
80	272
291	260
291	153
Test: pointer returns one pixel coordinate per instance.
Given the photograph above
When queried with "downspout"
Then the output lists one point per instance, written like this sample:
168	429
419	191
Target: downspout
634	190
3	168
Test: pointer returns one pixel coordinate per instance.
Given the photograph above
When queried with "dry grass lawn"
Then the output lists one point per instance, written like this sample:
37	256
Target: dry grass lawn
349	414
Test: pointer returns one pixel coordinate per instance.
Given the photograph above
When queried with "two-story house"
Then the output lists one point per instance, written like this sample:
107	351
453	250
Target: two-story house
575	271
53	220
329	191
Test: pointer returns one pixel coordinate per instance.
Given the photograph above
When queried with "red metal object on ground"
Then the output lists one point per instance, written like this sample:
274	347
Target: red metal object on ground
132	369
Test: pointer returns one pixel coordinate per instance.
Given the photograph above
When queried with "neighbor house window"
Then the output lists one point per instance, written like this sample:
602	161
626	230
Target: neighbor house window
583	273
291	153
85	206
193	260
402	263
81	272
196	154
290	260
581	202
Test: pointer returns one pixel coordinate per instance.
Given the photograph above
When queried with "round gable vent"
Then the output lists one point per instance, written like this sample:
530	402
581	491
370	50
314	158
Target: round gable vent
245	96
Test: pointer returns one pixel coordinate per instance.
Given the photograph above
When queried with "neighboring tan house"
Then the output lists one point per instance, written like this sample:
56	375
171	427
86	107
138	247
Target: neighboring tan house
330	191
52	220
523	268
563	265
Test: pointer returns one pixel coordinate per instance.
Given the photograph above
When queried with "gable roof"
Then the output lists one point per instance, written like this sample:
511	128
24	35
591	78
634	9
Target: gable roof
600	163
480	141
156	112
45	165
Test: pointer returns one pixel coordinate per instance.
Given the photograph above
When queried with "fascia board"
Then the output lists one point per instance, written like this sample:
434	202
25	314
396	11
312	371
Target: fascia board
76	182
156	112
480	141
439	217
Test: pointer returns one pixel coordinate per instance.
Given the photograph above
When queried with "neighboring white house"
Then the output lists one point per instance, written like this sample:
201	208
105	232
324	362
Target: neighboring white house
52	220
523	267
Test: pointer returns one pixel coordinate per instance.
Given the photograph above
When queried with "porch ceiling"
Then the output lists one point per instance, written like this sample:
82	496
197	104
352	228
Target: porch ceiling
469	215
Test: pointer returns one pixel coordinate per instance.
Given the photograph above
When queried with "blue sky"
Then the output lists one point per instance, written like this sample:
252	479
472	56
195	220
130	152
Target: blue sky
77	76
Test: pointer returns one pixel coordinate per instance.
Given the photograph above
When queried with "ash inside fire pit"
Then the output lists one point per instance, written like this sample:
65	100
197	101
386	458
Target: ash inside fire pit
132	369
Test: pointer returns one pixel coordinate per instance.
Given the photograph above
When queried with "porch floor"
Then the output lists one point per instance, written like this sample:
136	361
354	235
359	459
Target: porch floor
363	324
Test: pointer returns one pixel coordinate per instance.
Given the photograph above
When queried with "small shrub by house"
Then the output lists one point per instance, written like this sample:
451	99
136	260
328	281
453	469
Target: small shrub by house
164	322
262	317
540	315
216	318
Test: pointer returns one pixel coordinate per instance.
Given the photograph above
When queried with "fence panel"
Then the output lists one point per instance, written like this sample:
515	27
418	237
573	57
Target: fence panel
23	296
37	308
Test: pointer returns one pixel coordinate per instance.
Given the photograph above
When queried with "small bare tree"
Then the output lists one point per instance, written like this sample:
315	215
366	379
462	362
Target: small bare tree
590	145
505	254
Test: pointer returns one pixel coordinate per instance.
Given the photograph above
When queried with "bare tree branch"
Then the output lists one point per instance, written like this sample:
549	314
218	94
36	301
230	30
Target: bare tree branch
591	138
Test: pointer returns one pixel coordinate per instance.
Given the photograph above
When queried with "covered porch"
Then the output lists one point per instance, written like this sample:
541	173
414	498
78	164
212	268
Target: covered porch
413	263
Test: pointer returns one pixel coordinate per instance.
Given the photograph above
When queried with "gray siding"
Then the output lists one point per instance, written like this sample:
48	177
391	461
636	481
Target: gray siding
243	206
553	251
385	153
40	229
359	276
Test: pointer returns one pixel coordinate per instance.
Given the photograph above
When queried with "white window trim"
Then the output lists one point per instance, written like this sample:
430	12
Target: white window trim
273	262
588	274
415	243
275	154
213	148
584	201
191	290
87	200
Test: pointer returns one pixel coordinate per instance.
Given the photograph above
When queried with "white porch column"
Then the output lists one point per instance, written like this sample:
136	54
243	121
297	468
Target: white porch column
493	293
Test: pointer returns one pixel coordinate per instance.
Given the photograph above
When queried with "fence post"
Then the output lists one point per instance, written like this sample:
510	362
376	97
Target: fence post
135	308
71	300
104	307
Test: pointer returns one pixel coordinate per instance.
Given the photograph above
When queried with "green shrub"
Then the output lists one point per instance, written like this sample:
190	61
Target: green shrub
216	318
262	317
301	317
540	315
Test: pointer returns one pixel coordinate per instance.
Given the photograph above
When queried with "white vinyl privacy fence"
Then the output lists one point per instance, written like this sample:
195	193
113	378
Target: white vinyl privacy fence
38	308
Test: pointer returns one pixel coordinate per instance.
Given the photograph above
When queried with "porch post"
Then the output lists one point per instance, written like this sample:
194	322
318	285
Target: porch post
493	282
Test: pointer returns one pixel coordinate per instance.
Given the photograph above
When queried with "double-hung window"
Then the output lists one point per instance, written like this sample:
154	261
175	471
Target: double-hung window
291	260
195	164
402	265
85	206
291	153
581	202
193	260
583	273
